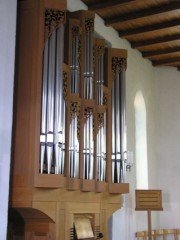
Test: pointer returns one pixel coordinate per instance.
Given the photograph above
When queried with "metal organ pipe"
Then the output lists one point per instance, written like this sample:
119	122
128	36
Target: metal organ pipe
118	127
88	145
75	88
119	147
101	134
88	66
73	148
59	120
123	125
44	106
50	100
52	136
74	65
88	150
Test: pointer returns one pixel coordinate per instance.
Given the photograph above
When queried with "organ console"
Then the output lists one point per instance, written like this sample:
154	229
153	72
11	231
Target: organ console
69	145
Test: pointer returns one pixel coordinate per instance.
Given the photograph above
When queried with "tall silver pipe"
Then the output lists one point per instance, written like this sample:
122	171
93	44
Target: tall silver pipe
70	147
91	147
85	148
77	70
73	148
42	158
91	70
98	155
57	157
44	88
123	123
76	150
118	125
119	145
50	101
49	150
44	106
58	98
101	157
104	148
51	83
88	66
63	121
113	157
88	147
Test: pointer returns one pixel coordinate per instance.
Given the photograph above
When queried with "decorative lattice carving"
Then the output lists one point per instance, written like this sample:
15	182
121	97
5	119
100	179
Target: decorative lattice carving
89	24
105	97
88	112
118	64
53	19
100	120
75	31
100	49
75	109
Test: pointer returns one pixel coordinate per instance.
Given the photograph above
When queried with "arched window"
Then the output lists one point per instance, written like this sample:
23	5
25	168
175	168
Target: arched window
141	142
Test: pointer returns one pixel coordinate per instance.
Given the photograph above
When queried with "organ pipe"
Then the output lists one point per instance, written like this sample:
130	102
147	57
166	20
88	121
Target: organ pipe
119	147
85	108
52	136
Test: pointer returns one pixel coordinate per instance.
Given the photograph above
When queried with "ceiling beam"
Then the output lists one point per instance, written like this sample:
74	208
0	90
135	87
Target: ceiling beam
149	28
161	9
166	61
98	6
159	40
158	52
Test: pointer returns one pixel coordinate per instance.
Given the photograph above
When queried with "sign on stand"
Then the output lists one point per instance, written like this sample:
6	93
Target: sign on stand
149	200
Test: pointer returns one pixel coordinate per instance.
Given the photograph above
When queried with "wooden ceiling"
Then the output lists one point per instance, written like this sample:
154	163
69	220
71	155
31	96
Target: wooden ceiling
151	26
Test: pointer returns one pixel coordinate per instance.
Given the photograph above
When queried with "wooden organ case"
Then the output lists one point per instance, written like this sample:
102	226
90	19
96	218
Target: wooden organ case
69	145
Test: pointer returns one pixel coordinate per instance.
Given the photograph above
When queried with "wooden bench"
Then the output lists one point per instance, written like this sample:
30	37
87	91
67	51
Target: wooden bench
156	234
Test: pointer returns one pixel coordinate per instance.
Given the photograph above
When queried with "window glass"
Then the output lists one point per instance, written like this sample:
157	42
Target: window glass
141	142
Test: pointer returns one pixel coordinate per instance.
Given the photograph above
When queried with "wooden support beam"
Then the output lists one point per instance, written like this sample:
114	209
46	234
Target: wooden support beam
149	28
98	6
149	54
166	61
159	40
161	9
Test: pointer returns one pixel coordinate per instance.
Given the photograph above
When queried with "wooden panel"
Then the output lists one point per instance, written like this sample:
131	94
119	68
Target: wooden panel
21	195
148	200
37	227
26	88
101	186
72	183
119	188
49	208
61	216
87	185
49	180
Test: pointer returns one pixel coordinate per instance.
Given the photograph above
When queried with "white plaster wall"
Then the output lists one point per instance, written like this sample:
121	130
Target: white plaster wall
167	82
7	46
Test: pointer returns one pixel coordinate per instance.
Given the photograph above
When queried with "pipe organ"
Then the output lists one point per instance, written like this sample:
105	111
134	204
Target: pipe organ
69	146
